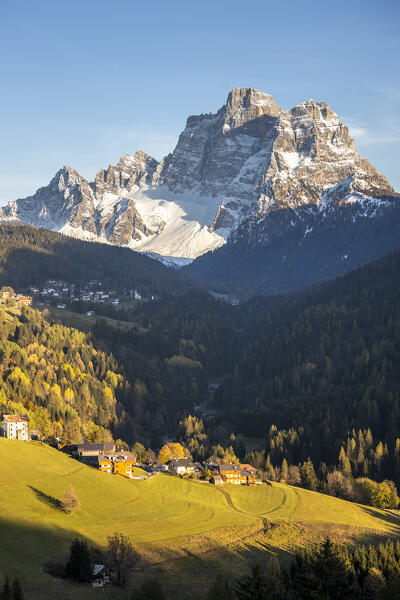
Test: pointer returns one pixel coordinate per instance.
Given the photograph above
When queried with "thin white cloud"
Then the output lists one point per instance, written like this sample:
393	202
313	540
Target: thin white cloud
131	139
358	132
370	137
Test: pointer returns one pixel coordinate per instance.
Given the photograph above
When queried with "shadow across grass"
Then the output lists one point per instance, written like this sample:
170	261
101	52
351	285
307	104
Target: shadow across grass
391	518
47	499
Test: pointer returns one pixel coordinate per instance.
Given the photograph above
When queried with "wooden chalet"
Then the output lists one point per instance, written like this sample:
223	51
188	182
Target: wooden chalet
118	463
101	576
93	450
236	474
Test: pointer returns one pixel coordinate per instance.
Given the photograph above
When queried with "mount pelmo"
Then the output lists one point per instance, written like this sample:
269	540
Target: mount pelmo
253	175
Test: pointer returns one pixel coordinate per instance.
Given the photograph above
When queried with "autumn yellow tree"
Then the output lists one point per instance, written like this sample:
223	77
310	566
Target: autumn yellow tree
176	450
170	451
164	456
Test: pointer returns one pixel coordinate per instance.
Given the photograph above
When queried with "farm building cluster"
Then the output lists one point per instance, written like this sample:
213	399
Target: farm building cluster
109	459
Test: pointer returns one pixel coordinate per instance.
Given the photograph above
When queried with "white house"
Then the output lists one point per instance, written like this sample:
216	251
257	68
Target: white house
15	427
181	466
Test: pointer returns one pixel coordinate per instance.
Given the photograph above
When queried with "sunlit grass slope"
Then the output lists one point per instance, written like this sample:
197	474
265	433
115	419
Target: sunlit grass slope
281	502
161	510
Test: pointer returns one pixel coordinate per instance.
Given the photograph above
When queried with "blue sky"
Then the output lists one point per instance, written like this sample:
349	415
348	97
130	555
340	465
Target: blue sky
84	82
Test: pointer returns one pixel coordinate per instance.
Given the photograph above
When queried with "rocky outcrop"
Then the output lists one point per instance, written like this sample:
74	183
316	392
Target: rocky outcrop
130	171
213	148
67	199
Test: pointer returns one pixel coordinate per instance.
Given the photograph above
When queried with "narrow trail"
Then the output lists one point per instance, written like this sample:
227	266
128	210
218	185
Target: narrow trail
230	503
267	525
261	515
277	507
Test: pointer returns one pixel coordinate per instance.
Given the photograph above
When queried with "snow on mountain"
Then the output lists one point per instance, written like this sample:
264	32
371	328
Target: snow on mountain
230	171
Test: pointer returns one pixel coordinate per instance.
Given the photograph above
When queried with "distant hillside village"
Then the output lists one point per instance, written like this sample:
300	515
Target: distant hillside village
108	458
64	294
7	296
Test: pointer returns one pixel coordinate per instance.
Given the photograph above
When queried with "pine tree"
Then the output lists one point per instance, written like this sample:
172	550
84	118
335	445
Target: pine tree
369	440
269	469
344	463
17	590
221	589
325	573
284	470
6	591
379	454
308	477
79	566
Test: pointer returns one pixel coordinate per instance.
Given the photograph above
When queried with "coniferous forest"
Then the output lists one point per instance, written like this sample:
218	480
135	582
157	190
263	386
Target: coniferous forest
31	256
324	375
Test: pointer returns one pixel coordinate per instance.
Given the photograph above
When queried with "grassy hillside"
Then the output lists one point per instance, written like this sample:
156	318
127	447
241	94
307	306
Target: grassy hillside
171	522
82	322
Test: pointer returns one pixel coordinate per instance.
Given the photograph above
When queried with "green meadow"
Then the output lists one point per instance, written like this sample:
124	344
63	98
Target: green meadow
82	321
183	530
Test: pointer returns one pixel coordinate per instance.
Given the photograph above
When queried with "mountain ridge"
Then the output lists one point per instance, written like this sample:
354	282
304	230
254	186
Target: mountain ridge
229	172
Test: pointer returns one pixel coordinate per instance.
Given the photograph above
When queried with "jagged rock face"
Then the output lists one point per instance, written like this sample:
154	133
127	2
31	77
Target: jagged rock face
229	173
310	152
212	149
138	170
67	198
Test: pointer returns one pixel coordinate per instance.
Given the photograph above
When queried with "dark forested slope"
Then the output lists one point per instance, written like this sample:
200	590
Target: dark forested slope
332	365
31	256
293	249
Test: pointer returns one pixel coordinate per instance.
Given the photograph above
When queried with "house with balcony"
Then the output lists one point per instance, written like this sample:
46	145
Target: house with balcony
236	474
117	463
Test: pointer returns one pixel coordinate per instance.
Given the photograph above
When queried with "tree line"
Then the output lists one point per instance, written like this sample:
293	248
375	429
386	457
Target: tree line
325	571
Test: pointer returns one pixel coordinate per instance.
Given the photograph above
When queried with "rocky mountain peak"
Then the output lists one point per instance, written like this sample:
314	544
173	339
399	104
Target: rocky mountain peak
139	162
245	105
126	161
66	177
229	174
247	98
